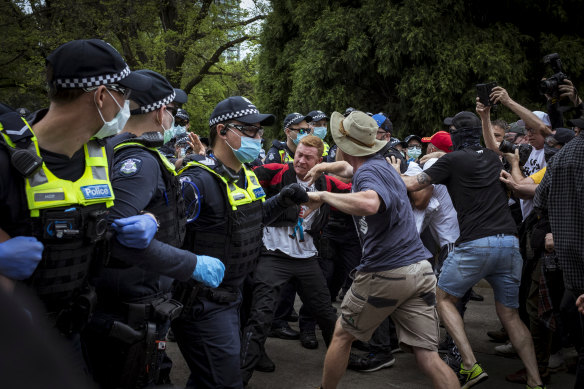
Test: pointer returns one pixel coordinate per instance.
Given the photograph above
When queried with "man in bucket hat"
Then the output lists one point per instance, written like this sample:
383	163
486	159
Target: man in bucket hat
392	250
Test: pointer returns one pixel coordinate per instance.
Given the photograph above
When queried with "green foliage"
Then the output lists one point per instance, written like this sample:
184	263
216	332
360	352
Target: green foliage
416	60
183	40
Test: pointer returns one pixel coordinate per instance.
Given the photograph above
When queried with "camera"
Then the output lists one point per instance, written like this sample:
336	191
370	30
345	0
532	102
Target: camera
484	91
550	85
509	147
96	225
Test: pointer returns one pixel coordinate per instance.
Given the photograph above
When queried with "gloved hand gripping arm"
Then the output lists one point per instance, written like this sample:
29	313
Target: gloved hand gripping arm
136	231
290	195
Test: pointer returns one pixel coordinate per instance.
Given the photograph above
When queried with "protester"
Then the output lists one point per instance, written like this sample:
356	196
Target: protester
392	250
559	196
487	246
414	150
289	254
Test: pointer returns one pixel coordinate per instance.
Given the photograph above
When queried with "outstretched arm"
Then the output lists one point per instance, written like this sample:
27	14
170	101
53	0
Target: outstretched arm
488	135
500	95
339	168
359	203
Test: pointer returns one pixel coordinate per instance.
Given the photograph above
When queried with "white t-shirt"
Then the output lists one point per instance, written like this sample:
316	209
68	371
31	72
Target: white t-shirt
420	215
443	223
278	238
535	162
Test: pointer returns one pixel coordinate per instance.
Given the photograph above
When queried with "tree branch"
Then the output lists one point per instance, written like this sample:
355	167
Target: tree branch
213	60
20	54
245	22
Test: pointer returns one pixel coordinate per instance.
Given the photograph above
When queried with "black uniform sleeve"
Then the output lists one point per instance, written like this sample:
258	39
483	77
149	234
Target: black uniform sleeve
158	257
136	179
273	156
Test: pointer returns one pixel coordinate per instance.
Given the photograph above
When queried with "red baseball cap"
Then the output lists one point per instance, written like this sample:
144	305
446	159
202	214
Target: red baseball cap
441	139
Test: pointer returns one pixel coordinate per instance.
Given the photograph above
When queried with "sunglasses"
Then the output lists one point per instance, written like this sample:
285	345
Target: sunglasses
172	110
301	131
115	87
181	122
250	131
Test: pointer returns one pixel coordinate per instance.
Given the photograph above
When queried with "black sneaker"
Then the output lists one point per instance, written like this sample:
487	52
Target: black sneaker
284	332
308	340
265	364
373	362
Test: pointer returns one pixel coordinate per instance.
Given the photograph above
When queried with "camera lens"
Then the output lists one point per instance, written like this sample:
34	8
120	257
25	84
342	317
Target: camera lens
100	228
506	147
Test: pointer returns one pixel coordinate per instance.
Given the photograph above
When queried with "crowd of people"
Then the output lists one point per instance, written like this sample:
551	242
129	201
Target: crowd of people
121	229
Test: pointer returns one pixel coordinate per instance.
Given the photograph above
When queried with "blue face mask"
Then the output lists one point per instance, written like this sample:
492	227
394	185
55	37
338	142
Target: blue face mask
298	137
179	130
414	152
249	149
320	132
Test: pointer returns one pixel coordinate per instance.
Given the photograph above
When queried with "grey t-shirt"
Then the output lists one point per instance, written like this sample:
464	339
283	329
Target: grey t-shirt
389	238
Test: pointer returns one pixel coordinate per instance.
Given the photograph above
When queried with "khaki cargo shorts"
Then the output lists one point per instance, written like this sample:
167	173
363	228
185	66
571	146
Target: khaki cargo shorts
407	293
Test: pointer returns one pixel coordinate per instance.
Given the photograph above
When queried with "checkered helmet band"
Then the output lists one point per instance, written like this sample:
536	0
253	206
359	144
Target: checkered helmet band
157	105
293	119
318	116
233	115
87	82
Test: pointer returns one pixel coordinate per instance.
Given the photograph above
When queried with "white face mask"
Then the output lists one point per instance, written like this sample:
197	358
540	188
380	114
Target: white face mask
116	125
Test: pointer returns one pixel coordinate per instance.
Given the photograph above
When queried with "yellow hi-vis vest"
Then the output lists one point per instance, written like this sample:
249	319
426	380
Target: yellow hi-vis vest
285	157
45	190
325	152
237	196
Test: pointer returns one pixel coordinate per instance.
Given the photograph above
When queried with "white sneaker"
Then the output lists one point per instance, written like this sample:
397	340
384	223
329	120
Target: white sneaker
506	350
556	362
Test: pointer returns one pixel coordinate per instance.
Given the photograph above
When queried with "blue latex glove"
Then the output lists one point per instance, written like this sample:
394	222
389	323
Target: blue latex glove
209	271
135	231
20	256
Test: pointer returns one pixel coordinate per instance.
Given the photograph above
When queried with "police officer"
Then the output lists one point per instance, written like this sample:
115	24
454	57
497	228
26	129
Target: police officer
180	97
125	339
55	190
226	207
319	124
295	127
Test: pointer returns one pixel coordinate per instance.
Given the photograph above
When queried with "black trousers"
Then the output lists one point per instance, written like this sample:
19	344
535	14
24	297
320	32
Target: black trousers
574	322
270	275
